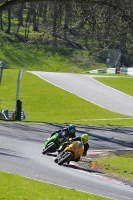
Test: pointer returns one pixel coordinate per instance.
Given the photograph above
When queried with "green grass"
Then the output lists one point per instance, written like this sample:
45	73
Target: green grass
45	58
29	56
124	83
14	187
121	165
45	102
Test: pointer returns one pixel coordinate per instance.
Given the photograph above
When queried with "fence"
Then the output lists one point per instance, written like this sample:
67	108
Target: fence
11	115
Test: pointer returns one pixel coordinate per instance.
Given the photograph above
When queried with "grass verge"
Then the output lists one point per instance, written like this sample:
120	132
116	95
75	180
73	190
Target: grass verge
121	83
14	187
121	165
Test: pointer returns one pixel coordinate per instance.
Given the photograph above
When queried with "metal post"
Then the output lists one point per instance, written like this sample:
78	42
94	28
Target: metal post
18	84
1	70
2	64
118	60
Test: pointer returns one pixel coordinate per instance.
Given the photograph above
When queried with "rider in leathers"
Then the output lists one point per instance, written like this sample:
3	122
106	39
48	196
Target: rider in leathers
83	138
70	130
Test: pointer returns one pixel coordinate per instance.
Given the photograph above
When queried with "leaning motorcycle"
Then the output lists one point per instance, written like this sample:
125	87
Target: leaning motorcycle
70	153
54	142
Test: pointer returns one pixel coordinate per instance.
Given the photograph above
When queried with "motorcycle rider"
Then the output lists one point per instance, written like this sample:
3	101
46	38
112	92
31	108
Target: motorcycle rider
70	130
67	133
83	138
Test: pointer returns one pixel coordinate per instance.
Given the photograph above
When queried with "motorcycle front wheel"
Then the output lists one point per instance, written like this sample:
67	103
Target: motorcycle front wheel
49	149
66	158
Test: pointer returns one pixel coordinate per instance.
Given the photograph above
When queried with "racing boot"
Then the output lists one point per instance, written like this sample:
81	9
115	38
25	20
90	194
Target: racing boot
43	151
68	162
56	160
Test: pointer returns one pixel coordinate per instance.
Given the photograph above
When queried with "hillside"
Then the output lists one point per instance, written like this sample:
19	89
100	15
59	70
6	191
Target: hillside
66	56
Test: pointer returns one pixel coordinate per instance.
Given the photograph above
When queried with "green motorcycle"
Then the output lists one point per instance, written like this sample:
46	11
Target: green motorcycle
53	143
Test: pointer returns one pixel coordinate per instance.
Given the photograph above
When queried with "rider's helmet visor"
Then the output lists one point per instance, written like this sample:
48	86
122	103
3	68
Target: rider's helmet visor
84	141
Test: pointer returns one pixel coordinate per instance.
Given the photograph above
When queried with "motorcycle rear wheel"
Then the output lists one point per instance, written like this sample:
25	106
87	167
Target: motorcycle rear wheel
49	149
66	158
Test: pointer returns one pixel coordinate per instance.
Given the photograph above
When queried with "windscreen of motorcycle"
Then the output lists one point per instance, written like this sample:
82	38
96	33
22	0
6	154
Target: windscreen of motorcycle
80	144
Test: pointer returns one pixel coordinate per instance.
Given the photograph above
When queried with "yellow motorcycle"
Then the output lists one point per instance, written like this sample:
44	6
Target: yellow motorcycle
72	152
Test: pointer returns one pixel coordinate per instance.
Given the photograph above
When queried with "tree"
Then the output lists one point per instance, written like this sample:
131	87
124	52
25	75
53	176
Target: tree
9	20
100	24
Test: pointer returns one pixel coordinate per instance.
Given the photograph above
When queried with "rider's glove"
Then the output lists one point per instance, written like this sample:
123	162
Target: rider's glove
70	140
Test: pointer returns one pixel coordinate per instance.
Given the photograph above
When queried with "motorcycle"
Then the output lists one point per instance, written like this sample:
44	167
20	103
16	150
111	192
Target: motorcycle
72	152
53	143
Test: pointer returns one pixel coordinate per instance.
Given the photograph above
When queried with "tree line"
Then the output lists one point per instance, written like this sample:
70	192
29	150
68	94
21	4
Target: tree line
95	24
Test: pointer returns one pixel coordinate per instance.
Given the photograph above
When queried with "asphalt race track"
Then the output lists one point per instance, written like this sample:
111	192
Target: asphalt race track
87	88
21	147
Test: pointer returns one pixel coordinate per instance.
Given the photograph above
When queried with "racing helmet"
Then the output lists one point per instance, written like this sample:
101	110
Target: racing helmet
84	138
71	128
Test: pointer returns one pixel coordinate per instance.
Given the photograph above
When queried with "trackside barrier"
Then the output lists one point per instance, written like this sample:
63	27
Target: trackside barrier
124	70
105	71
11	115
